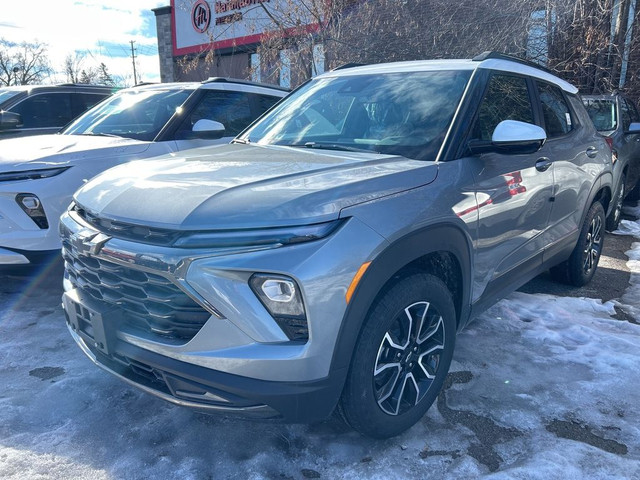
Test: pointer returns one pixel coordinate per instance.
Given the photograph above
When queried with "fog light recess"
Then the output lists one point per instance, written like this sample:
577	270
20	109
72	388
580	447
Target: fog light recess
32	206
281	296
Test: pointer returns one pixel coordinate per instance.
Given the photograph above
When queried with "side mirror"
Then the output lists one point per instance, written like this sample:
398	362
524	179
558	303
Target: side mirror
634	128
512	133
512	137
10	120
207	129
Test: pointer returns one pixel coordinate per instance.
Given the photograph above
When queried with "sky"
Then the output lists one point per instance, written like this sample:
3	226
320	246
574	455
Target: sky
542	388
99	30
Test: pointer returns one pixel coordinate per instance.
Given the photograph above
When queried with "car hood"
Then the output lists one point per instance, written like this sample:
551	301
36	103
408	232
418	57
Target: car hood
43	151
247	186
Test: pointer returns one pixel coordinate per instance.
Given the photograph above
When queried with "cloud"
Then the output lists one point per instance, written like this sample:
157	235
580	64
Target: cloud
99	29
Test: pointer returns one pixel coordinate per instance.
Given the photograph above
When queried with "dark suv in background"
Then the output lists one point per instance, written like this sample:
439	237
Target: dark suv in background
37	110
616	117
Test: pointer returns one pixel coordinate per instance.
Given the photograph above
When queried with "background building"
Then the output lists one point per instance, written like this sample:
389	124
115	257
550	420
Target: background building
198	39
591	43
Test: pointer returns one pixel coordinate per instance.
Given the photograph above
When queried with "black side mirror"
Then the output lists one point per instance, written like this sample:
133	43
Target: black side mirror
10	120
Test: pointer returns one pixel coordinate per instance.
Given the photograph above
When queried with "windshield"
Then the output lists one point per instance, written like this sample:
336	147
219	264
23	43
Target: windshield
6	94
602	112
134	114
398	113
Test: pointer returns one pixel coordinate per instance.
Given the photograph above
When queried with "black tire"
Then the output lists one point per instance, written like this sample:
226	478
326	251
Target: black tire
579	269
399	367
613	219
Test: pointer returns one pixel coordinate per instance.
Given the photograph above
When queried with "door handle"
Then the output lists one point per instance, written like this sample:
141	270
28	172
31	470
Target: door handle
592	152
543	164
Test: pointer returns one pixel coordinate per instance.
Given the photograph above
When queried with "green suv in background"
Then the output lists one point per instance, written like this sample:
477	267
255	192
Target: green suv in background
326	258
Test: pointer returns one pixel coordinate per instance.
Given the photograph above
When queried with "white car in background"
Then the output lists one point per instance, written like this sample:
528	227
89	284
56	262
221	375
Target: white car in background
39	174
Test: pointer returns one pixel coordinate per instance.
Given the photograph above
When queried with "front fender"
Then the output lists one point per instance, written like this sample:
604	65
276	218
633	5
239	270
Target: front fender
435	238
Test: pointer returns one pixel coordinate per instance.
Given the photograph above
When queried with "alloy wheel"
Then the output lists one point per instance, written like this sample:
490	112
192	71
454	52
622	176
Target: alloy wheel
593	244
618	207
408	358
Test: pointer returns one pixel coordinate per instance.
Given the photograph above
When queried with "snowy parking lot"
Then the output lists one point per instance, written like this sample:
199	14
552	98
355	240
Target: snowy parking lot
542	387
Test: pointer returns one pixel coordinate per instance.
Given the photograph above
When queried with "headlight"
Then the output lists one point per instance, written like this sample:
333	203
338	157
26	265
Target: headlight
31	174
263	237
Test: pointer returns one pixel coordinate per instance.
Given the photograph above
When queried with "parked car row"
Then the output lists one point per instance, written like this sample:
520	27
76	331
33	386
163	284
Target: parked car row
325	259
38	175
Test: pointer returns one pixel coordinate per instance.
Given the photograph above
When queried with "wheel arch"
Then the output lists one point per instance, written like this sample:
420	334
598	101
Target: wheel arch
443	250
600	192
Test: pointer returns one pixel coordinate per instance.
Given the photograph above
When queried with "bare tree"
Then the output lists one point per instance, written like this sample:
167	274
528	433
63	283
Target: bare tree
387	30
591	43
77	71
104	77
594	44
297	31
73	66
23	63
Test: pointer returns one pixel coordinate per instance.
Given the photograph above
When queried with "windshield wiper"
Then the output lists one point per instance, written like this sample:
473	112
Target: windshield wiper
335	146
241	141
95	134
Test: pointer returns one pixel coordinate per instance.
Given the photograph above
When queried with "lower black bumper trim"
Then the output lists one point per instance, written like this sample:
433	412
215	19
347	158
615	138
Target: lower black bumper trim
212	391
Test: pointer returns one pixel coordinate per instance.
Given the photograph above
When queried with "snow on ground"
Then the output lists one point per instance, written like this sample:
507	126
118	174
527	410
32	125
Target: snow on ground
542	387
631	298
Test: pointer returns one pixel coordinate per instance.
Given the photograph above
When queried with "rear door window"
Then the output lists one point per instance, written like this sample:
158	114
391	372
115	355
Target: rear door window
555	110
232	109
81	102
262	103
629	113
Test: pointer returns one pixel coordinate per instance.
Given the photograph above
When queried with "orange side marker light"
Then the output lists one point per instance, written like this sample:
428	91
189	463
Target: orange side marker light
356	280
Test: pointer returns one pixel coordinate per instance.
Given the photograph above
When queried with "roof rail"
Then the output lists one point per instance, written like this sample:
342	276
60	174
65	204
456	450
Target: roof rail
243	82
348	65
88	85
505	56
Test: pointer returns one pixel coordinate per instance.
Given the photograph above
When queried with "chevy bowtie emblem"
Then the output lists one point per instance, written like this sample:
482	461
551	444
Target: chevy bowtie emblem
88	242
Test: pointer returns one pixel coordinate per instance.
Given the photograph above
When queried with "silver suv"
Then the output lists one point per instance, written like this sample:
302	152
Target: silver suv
328	257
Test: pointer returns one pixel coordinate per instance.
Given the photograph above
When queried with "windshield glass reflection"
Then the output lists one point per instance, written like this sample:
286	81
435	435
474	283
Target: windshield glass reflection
398	113
135	114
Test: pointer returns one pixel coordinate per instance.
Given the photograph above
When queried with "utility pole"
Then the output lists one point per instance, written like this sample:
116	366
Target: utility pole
133	61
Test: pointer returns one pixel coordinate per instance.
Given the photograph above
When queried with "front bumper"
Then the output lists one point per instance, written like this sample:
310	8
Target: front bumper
206	390
22	241
239	361
9	257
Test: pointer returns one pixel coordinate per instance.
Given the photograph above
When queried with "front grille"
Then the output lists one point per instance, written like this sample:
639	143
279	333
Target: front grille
147	301
128	231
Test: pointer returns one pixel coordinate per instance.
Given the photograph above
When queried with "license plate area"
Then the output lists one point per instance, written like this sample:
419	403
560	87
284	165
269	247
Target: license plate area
87	322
